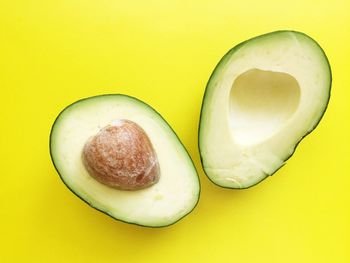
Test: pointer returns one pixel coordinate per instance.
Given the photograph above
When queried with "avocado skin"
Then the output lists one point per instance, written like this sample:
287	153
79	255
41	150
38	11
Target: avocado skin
217	67
100	210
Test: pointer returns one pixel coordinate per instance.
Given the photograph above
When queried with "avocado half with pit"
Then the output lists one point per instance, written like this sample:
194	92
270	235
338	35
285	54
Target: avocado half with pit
121	157
265	95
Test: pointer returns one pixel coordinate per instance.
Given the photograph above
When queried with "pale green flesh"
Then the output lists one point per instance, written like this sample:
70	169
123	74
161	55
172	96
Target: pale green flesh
263	97
177	191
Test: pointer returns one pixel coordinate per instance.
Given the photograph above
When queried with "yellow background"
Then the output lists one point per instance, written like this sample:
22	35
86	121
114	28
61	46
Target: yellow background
53	52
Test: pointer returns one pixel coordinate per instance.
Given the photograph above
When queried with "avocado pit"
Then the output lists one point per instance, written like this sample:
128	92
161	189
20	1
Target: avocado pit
121	156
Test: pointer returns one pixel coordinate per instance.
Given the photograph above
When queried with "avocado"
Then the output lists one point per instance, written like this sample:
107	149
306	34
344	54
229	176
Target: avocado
121	157
264	96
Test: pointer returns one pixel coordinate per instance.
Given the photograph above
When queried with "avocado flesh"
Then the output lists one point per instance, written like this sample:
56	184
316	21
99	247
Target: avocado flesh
263	97
167	201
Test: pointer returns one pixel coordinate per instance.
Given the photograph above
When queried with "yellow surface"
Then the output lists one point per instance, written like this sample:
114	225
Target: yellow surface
163	52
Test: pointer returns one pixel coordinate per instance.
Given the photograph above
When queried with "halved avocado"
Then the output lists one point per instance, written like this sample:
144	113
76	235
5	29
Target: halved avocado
263	97
167	200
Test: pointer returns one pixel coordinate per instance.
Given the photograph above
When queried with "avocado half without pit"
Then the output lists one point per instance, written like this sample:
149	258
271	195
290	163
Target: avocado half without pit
121	157
263	97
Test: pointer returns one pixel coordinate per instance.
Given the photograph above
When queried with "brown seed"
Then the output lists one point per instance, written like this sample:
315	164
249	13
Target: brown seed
122	156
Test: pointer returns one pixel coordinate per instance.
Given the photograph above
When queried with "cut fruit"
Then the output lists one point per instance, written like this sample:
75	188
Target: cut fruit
165	200
263	97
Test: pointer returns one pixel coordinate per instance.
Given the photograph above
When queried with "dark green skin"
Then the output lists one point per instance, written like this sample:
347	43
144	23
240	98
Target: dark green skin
132	223
222	60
